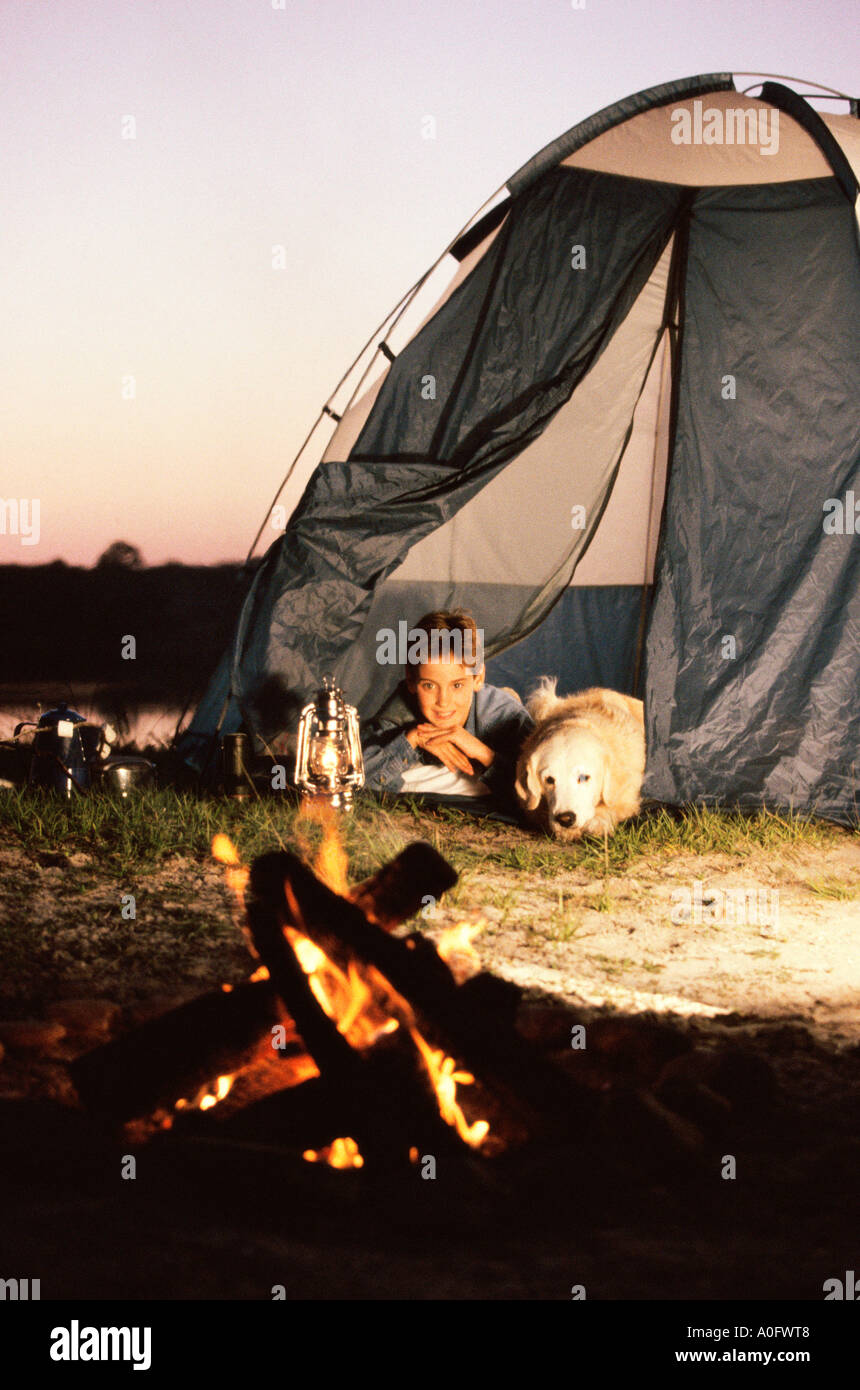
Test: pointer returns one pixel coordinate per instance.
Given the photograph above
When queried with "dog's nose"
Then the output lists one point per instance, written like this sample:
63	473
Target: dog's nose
566	818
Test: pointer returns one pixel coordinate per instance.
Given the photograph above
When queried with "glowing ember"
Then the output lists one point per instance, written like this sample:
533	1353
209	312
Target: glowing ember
205	1099
341	1153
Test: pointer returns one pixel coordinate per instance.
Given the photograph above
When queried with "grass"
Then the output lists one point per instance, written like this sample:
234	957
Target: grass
60	922
156	824
829	887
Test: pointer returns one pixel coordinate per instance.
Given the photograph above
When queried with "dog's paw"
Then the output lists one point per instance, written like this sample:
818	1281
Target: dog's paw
603	822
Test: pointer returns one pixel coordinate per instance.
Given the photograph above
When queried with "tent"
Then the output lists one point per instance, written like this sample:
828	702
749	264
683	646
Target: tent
626	437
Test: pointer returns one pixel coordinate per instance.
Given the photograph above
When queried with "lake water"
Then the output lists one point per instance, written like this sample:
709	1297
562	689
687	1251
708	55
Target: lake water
141	725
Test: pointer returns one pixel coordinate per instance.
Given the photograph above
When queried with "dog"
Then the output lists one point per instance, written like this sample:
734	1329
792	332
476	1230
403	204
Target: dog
580	770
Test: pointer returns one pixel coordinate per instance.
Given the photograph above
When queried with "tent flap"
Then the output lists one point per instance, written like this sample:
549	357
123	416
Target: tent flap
480	381
753	652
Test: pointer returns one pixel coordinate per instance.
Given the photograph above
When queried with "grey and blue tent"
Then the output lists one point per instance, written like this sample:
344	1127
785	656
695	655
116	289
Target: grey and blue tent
617	421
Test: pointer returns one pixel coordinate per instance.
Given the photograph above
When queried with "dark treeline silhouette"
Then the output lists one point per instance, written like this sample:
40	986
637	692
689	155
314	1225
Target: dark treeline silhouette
64	623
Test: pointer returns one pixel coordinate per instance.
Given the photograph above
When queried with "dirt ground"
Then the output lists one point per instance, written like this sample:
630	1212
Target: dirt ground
771	935
774	936
769	983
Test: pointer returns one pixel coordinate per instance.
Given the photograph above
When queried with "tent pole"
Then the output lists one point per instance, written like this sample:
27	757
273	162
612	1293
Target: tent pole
643	597
674	326
388	324
782	77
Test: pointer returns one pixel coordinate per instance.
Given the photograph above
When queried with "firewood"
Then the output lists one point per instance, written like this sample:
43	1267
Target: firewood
484	1039
32	1034
329	1049
174	1055
385	1098
309	1115
86	1018
403	886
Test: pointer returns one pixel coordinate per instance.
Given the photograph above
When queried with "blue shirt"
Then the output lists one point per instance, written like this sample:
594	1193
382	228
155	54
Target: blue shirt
494	717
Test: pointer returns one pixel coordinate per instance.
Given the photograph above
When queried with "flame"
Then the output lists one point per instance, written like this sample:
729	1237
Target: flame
446	1080
347	997
237	873
222	1088
360	1000
224	850
457	941
331	863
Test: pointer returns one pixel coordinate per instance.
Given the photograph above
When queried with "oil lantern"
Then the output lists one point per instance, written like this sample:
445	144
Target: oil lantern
329	764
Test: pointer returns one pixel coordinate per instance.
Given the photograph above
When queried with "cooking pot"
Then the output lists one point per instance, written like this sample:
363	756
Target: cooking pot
126	774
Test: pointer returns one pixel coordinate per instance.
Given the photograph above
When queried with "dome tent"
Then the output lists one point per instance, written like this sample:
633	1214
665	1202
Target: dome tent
625	437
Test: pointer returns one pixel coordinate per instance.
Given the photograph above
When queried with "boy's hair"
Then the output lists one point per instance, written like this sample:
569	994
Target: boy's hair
450	635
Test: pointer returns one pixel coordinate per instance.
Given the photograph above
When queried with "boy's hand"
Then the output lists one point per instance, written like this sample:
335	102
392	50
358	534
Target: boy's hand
438	742
453	747
467	743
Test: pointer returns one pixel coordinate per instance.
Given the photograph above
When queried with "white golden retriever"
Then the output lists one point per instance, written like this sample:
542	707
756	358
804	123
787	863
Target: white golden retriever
580	771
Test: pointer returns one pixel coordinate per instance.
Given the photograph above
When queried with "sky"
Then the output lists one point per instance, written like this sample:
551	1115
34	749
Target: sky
157	371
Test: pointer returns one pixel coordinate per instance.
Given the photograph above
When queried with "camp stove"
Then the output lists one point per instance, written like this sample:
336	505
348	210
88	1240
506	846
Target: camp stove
329	765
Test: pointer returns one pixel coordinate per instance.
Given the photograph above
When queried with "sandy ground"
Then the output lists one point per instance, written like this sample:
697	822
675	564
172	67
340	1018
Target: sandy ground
770	935
776	936
625	1213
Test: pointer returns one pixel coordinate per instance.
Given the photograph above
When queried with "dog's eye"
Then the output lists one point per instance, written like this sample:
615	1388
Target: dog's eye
550	781
584	777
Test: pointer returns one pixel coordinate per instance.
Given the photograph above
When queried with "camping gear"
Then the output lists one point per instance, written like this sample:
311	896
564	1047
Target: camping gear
126	774
66	750
329	764
234	753
625	438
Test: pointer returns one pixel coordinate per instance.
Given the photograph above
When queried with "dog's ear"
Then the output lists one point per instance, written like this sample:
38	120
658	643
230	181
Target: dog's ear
527	786
543	700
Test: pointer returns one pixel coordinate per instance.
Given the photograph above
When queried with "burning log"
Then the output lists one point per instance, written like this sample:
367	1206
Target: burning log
483	1037
329	1049
383	1101
176	1054
389	1098
403	886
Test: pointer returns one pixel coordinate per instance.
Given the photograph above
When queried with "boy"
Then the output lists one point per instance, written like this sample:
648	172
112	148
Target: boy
444	730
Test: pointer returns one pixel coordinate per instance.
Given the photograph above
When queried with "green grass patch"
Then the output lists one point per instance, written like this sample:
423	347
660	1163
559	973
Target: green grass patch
158	823
829	887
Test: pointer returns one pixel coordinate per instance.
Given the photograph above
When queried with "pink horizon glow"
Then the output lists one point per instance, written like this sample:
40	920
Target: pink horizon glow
258	126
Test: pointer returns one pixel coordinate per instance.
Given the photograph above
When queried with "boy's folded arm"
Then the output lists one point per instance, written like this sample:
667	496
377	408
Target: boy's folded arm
505	726
387	754
499	776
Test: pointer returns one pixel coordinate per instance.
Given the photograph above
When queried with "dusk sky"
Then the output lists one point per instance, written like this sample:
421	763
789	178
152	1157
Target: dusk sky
256	125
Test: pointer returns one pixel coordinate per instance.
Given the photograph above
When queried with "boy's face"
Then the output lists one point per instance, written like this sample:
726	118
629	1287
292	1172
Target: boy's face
444	691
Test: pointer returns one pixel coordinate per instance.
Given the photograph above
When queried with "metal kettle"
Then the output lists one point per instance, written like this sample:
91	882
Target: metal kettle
67	749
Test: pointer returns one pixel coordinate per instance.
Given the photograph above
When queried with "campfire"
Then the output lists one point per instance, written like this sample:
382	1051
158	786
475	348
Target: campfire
365	1050
354	1044
359	1043
355	996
